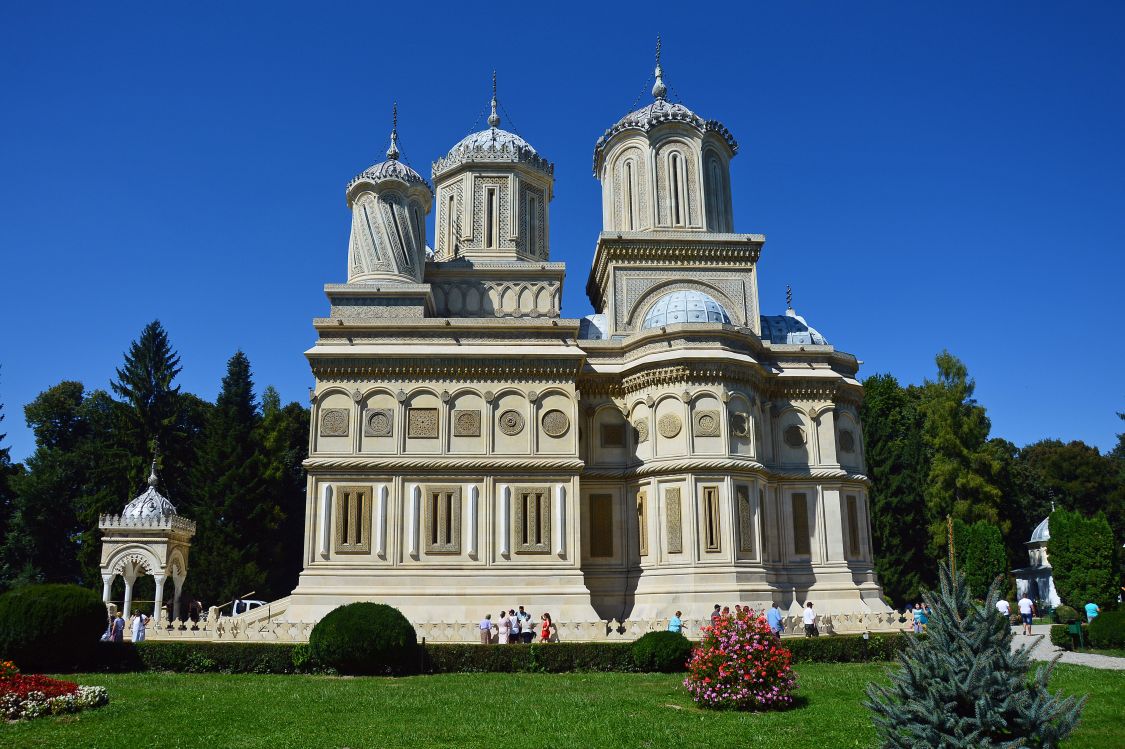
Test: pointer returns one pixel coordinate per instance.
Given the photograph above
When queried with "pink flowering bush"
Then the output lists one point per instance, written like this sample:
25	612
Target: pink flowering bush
740	665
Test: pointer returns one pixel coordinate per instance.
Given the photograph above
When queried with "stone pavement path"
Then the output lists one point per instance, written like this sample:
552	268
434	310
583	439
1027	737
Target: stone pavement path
1044	650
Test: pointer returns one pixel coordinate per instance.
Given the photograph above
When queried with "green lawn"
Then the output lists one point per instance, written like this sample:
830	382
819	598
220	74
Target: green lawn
487	710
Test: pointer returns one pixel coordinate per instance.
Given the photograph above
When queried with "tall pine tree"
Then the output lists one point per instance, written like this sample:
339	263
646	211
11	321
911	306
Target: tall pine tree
963	685
963	468
898	465
228	495
284	439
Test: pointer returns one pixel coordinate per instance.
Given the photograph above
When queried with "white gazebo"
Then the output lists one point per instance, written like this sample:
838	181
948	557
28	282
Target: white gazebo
148	537
1035	580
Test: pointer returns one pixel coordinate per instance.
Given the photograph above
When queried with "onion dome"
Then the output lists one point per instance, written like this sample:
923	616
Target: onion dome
659	112
491	146
1042	531
392	168
151	504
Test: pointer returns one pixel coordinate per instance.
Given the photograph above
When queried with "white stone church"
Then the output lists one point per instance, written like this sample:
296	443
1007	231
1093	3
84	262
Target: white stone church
472	449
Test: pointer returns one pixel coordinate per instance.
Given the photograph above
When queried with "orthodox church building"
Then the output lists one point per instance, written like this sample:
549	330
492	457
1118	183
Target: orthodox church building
471	449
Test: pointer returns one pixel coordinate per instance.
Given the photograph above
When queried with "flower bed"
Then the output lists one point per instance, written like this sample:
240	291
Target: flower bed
32	695
740	664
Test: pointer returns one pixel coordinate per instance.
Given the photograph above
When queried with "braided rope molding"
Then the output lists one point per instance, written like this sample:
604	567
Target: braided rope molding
724	464
385	464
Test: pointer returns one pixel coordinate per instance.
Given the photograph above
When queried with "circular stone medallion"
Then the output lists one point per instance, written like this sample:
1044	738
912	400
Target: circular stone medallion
555	423
511	422
708	424
669	425
378	423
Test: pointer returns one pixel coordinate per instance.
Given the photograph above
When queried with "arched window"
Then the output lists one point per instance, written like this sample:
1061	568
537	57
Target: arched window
450	237
627	197
674	176
716	200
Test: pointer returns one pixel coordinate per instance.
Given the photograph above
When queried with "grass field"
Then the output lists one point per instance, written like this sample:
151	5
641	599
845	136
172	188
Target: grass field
489	710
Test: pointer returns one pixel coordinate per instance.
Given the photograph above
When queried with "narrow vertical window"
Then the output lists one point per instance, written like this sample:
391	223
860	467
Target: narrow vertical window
711	518
490	228
765	521
353	519
418	227
443	520
532	225
853	526
642	523
346	518
801	541
450	237
627	197
601	525
674	176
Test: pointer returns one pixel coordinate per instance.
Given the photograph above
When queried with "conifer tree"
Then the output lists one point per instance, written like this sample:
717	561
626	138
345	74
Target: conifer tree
962	685
985	559
1083	558
285	442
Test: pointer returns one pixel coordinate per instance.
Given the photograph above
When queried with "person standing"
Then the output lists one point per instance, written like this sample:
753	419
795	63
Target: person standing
545	628
676	624
486	629
503	629
515	621
1027	613
527	629
140	621
1092	611
773	618
118	634
810	621
918	617
716	615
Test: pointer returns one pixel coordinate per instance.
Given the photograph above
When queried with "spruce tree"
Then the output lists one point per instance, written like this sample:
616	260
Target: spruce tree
962	685
285	443
1083	558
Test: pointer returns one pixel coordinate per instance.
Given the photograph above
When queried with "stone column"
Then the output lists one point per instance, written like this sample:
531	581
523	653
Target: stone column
127	605
159	599
178	583
107	584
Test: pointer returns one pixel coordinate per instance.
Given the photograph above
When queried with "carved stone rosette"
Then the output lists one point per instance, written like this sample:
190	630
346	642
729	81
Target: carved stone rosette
422	423
642	430
378	422
334	422
706	423
555	423
511	422
669	425
466	423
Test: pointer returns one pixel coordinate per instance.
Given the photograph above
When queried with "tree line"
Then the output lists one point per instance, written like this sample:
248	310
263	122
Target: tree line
932	459
232	466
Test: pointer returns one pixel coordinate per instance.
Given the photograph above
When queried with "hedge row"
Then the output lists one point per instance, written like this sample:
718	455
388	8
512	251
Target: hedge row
287	658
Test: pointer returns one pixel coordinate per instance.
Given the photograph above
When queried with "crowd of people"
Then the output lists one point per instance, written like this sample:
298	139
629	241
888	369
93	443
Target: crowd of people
774	618
514	627
115	627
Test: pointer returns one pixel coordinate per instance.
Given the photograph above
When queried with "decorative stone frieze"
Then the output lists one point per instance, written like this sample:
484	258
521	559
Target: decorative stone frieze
706	423
669	425
378	422
334	422
422	423
672	519
511	422
466	423
555	423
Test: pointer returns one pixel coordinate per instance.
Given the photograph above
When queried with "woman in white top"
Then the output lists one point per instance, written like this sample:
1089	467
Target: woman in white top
139	622
503	628
810	621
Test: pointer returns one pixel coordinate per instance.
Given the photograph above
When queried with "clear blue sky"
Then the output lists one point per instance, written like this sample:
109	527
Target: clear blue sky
927	175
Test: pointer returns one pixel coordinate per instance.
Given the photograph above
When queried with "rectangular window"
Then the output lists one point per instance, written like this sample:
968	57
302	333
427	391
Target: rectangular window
672	519
353	519
613	435
745	519
801	540
491	233
853	526
443	519
601	525
642	523
766	535
532	225
532	522
711	518
450	226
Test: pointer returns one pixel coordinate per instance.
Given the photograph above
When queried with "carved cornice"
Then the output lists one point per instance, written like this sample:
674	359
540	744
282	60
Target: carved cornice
444	369
726	465
436	464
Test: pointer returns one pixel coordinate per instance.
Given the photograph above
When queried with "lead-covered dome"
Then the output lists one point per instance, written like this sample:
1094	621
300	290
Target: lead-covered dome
151	504
491	146
659	112
685	305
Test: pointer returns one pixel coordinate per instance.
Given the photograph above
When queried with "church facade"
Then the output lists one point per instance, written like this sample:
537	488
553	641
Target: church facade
471	449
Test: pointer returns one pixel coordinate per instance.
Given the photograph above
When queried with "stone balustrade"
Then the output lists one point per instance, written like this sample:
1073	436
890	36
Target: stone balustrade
173	522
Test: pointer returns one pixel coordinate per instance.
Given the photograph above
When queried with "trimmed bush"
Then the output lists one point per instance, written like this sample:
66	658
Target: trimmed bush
666	652
1064	615
880	646
1108	630
221	657
740	665
1061	638
51	627
365	638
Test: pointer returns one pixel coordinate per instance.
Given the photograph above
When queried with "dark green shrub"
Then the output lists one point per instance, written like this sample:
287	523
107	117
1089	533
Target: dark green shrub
555	657
1064	615
1108	630
219	657
1061	637
666	652
1083	559
51	627
880	646
365	638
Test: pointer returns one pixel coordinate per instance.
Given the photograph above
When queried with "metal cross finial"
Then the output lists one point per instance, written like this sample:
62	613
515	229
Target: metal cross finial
392	150
659	90
152	480
788	296
494	119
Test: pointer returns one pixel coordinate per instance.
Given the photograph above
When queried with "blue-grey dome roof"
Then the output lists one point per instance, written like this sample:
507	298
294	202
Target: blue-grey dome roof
1042	531
685	305
790	328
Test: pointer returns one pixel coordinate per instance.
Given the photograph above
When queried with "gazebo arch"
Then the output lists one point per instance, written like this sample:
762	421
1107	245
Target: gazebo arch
148	537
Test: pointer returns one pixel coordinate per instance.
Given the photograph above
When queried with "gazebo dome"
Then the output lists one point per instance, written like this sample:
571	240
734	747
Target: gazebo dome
685	305
151	504
1042	532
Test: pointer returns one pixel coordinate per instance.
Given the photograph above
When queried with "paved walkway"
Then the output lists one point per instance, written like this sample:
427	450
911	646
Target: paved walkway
1045	651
